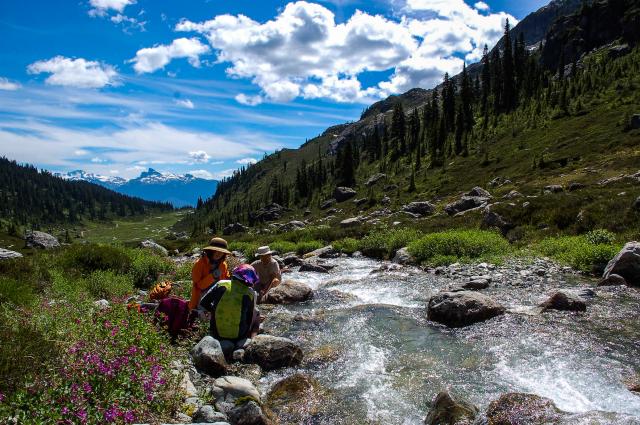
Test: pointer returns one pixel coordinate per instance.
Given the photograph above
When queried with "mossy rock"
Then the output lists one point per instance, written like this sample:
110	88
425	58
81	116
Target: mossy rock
297	399
450	410
322	355
521	408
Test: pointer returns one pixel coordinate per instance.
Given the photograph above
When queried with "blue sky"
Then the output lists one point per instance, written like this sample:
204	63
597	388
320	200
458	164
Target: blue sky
203	86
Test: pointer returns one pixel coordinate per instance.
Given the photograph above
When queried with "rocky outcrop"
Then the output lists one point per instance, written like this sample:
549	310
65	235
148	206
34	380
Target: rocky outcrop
520	408
153	246
342	194
403	256
422	209
493	219
458	309
6	254
292	225
271	212
234	228
41	240
351	222
288	292
553	188
375	179
466	203
229	392
208	356
324	252
626	264
564	301
513	195
450	410
272	352
478	192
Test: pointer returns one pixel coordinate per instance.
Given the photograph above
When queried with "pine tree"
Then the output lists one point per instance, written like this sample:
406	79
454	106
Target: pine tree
398	130
509	96
412	181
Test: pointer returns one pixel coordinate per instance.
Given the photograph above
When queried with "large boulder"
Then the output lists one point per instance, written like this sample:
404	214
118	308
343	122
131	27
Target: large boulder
479	192
207	414
292	225
447	409
403	256
493	219
249	413
6	254
272	352
42	240
289	291
153	246
375	179
208	356
230	391
423	208
613	280
297	399
626	264
325	252
342	194
351	222
307	266
458	309
466	203
554	188
564	301
271	212
520	408
234	228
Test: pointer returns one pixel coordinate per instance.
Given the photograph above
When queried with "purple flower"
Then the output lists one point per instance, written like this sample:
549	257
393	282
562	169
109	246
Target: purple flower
129	417
111	414
64	410
1	397
82	415
87	387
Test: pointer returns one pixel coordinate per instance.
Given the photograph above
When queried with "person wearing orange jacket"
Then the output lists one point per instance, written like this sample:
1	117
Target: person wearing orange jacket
210	268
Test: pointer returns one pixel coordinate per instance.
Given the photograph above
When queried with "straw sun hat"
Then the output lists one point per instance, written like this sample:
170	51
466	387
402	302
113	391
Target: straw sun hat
217	244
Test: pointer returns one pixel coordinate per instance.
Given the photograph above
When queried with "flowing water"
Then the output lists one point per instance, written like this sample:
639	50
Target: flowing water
387	361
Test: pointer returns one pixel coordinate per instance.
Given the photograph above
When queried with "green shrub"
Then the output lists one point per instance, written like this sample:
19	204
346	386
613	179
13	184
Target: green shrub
87	258
183	272
383	243
600	236
283	247
303	247
33	269
461	245
248	249
145	266
107	284
347	245
16	292
578	252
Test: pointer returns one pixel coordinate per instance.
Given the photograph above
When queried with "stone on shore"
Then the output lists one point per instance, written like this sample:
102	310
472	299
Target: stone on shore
613	280
458	309
450	410
249	413
626	264
404	257
324	252
208	356
207	414
272	352
229	391
297	399
288	292
310	267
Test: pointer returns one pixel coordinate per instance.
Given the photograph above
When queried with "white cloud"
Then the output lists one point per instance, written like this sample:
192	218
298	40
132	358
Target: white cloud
203	174
5	84
114	171
98	160
75	72
219	175
199	157
151	59
481	6
303	52
185	103
102	7
80	152
246	161
249	100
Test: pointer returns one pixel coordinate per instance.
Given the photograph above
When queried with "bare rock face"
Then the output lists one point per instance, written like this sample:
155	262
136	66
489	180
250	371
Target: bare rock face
272	352
153	246
288	292
422	208
478	191
342	194
375	179
458	309
41	240
626	264
450	410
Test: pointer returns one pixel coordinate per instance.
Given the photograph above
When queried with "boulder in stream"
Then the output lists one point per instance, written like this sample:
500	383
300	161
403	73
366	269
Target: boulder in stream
297	399
613	280
403	256
289	291
626	264
564	301
450	410
521	408
458	309
208	356
310	267
249	413
272	352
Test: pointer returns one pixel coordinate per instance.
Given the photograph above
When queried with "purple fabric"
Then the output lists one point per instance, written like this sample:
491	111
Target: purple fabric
247	274
177	315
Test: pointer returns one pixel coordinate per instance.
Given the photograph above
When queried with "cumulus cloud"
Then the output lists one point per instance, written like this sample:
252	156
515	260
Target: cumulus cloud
151	59
481	6
98	160
246	161
102	7
199	157
303	52
75	72
203	174
5	84
186	103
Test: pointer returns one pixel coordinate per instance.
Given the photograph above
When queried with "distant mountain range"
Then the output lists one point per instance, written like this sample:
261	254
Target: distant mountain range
179	190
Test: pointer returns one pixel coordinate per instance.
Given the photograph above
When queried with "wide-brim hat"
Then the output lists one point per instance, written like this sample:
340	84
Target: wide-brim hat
263	250
217	244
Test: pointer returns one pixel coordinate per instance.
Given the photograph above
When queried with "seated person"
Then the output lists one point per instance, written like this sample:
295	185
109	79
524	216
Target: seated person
232	303
209	269
268	271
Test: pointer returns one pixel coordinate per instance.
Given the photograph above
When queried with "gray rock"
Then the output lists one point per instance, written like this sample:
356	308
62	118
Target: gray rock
385	200
6	254
342	194
292	225
227	390
360	202
375	179
351	222
208	356
497	182
479	192
248	414
450	410
519	408
477	284
324	252
101	304
292	260
238	355
327	204
513	195
465	203
271	212
420	208
153	246
289	291
234	228
271	352
458	309
403	256
564	301
626	264
187	387
554	188
493	219
207	414
575	186
35	239
613	280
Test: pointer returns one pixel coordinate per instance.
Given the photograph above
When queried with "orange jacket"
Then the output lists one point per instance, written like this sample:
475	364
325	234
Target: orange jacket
202	278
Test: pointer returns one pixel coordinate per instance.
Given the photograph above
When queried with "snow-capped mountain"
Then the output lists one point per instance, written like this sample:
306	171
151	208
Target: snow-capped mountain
178	189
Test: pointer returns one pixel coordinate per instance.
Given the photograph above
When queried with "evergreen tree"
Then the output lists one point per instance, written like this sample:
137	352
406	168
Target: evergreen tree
398	130
508	86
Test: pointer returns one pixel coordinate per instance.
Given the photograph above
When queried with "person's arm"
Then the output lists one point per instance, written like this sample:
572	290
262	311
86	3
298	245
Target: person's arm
200	279
277	274
211	299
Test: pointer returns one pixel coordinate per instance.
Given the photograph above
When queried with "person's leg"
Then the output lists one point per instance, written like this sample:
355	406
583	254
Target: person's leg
227	347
